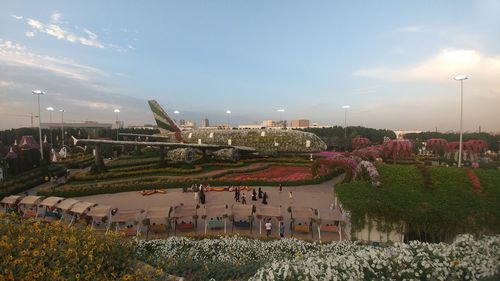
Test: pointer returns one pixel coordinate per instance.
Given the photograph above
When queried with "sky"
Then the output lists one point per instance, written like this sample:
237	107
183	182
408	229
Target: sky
393	62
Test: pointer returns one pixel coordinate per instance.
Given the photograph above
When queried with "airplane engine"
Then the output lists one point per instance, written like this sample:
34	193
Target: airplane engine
186	155
227	154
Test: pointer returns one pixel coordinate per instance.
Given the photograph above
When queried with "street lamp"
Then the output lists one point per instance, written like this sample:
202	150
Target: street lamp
39	93
345	107
281	110
461	78
117	126
176	112
228	112
50	109
62	126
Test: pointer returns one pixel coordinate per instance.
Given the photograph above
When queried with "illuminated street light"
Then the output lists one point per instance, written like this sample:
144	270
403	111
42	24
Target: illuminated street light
39	93
62	126
228	112
461	78
117	126
345	107
50	109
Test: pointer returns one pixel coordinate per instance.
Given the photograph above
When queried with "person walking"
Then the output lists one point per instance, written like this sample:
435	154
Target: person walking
243	199
281	187
290	197
196	197
268	226
237	194
254	195
264	198
260	193
282	229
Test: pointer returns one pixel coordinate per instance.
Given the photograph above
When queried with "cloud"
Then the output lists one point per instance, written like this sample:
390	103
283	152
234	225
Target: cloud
17	17
92	104
89	38
15	54
56	17
441	67
29	34
411	28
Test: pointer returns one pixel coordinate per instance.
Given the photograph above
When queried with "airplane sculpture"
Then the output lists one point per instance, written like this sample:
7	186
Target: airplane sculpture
224	144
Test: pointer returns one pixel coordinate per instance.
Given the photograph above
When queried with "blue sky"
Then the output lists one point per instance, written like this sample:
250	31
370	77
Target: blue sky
392	61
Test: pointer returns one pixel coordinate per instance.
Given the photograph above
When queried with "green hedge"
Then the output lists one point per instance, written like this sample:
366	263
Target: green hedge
26	181
450	207
77	191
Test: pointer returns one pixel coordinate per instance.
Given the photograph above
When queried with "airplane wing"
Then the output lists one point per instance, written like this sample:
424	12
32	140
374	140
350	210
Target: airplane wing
170	145
145	136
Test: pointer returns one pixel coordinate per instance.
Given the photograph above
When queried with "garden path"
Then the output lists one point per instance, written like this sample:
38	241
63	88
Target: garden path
319	196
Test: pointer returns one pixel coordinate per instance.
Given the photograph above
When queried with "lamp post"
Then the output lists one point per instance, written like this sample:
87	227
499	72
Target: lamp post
281	110
228	112
345	107
39	93
461	78
176	112
62	126
117	126
50	109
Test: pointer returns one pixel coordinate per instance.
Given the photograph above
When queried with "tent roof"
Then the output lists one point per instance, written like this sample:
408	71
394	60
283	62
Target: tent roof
331	215
67	204
181	211
241	210
51	201
81	207
28	142
30	200
157	213
215	210
11	199
302	212
268	211
99	211
126	215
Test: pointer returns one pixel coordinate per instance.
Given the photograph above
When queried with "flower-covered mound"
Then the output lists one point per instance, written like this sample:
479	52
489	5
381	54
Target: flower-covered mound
291	259
274	173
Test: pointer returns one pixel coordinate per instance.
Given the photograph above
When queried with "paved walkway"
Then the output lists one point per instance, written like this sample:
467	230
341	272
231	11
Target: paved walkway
316	196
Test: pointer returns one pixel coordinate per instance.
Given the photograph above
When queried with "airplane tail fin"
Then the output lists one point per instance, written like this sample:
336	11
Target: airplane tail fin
164	122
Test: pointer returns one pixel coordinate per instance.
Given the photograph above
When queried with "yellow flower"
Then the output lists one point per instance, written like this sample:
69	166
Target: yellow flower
455	262
127	277
36	253
24	253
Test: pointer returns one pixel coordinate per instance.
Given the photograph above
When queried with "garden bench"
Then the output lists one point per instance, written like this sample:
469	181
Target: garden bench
301	228
215	224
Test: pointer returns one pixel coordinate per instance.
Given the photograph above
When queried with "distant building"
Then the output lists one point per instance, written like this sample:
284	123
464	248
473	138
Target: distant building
182	122
273	124
84	125
250	127
300	123
119	125
145	126
204	123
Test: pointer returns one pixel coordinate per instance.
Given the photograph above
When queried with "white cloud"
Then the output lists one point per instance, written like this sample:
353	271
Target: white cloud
441	68
35	24
61	33
56	17
17	17
29	34
87	103
15	54
411	28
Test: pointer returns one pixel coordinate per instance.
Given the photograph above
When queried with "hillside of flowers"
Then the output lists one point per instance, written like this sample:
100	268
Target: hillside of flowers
230	258
274	173
435	205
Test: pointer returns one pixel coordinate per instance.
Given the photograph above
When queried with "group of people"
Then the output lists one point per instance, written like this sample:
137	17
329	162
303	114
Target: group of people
260	195
199	193
269	226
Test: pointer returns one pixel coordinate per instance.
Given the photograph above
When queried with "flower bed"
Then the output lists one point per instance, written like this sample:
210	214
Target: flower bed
233	257
273	173
32	250
372	172
476	184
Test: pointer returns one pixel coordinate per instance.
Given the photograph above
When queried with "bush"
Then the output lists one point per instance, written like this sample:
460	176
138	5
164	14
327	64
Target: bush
27	180
32	250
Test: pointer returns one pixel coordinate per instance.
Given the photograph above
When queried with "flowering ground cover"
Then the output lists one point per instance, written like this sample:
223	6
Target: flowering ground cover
230	258
32	250
274	173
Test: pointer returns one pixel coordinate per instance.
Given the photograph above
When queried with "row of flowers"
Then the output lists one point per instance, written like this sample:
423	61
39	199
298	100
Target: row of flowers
275	173
371	170
292	259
